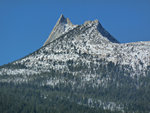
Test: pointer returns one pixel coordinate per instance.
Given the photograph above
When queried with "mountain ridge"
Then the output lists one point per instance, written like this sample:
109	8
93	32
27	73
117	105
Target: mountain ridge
63	25
96	44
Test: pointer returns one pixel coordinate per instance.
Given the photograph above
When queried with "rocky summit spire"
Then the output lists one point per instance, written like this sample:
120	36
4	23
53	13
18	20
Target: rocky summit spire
62	26
61	19
101	30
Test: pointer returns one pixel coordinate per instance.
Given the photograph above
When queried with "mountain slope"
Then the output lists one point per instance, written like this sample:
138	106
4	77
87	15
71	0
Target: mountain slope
88	66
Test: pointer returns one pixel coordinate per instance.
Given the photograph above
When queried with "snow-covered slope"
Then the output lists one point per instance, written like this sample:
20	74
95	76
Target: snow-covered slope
66	43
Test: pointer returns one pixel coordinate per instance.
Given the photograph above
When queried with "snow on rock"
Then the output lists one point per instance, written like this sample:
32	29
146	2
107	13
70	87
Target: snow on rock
70	42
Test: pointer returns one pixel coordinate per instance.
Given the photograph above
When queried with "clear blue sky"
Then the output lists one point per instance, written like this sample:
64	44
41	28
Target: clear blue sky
26	24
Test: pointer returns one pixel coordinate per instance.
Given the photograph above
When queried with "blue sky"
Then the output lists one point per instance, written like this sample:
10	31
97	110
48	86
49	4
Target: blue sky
26	24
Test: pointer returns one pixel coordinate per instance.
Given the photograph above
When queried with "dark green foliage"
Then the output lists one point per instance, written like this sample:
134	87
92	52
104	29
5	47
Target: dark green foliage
32	99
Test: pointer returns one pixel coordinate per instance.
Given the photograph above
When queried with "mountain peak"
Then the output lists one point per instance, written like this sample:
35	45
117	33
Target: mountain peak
96	24
91	22
62	26
64	20
61	19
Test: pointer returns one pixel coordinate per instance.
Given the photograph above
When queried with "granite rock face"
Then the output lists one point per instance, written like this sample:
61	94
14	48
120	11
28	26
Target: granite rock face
62	26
